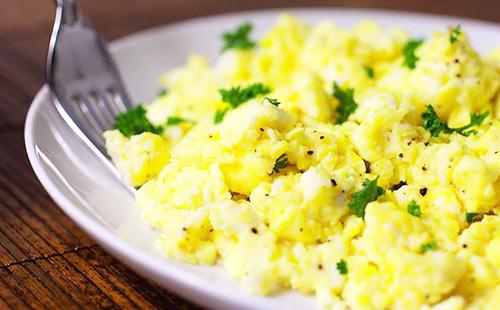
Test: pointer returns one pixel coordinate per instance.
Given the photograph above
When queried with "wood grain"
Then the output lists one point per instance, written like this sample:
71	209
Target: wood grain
46	261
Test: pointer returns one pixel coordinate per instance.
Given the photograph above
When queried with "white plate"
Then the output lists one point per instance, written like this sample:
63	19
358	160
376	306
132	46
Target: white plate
89	194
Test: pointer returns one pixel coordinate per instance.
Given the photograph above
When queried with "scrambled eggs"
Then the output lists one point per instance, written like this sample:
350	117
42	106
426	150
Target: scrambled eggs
266	188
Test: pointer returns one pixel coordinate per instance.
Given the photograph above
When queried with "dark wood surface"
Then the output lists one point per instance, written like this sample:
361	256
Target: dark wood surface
46	261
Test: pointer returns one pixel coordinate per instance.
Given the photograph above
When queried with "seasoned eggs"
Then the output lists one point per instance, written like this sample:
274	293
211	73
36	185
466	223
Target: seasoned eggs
268	188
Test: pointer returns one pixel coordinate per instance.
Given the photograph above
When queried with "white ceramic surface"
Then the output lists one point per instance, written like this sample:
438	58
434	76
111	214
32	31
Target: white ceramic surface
92	197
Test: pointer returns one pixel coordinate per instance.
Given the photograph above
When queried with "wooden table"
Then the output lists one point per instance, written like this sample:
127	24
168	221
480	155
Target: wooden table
46	261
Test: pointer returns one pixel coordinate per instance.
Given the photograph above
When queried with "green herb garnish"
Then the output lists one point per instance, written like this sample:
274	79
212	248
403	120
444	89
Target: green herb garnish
273	101
219	115
430	246
236	95
342	267
281	163
414	209
175	120
409	49
238	39
455	33
370	73
432	122
370	192
347	105
470	217
162	92
134	122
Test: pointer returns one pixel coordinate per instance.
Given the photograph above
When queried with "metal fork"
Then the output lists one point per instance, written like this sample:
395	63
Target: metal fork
87	89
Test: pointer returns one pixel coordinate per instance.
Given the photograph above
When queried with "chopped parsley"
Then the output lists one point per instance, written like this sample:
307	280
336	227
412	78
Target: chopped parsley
414	209
134	122
219	115
162	92
455	32
281	163
238	39
347	105
429	246
370	73
236	95
370	192
273	101
342	267
175	120
471	217
432	122
409	49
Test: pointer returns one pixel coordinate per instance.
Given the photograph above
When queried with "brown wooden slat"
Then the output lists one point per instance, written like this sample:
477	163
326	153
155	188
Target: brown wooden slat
115	294
88	288
15	293
152	293
37	284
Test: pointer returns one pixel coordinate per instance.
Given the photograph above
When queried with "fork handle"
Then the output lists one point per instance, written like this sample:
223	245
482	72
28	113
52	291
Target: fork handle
71	12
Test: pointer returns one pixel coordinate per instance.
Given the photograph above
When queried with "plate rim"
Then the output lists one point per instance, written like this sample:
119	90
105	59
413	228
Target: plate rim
184	283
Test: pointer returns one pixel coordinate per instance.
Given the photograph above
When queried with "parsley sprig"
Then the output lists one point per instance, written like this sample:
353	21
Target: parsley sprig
238	39
472	217
175	120
360	199
433	124
342	267
236	95
134	122
414	209
281	163
370	73
347	104
219	115
429	246
455	33
273	101
409	49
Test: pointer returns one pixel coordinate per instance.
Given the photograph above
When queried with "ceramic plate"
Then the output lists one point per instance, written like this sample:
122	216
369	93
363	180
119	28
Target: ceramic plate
92	197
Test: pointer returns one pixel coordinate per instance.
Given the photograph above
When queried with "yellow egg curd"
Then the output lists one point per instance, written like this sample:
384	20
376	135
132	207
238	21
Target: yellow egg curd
334	178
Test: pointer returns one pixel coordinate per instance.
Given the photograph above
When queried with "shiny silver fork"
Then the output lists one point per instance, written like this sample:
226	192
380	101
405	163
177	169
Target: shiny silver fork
87	89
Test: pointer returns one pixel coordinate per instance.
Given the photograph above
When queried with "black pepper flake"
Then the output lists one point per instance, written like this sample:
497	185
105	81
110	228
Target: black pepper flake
395	187
458	75
320	267
210	136
301	229
302	171
254	230
184	228
322	137
408	143
334	183
367	166
456	60
310	152
211	230
401	155
426	143
464	246
424	168
423	191
261	129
